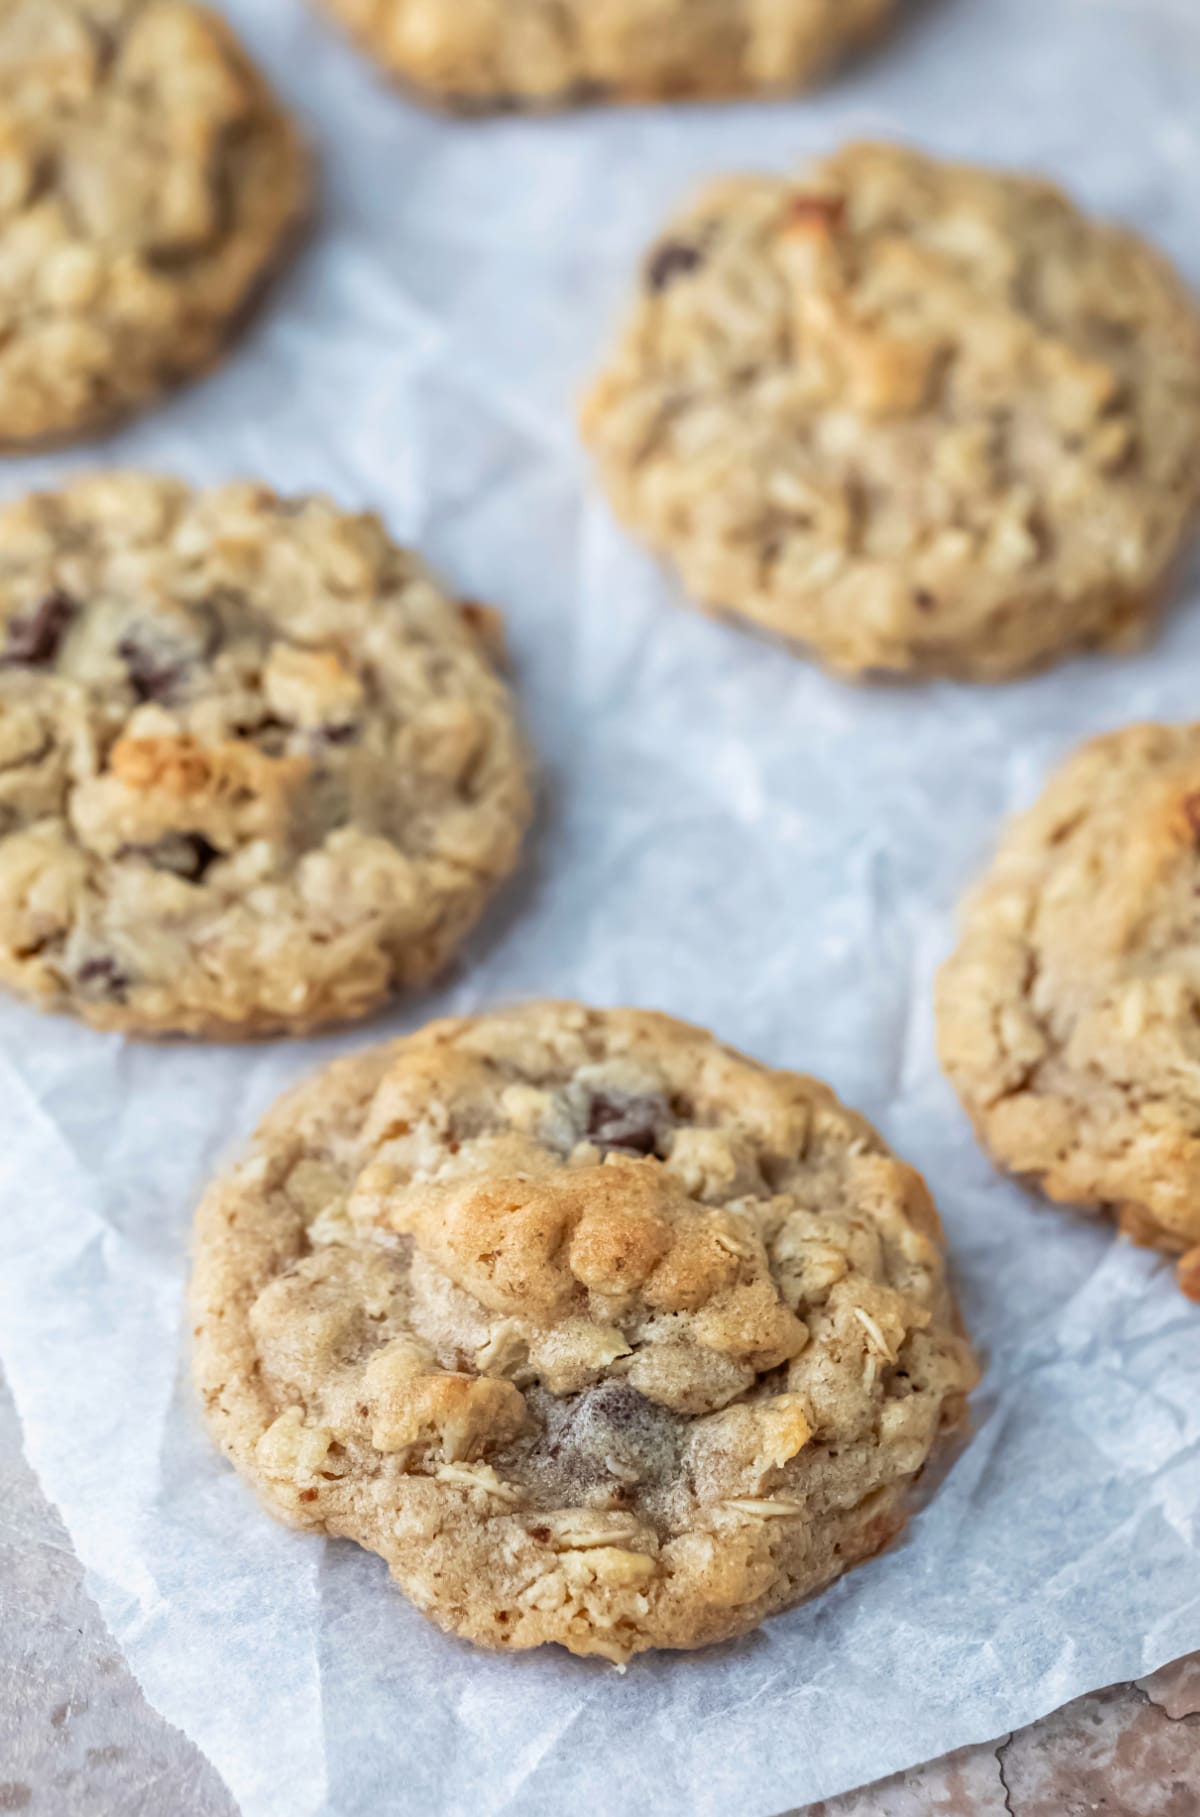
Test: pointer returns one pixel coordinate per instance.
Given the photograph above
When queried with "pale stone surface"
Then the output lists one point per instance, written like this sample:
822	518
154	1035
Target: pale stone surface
78	1739
1117	1752
966	1784
1130	1751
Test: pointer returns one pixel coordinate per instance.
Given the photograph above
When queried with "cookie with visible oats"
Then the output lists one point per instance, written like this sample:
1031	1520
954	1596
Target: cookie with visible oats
919	418
599	1332
257	772
1069	1017
149	183
483	54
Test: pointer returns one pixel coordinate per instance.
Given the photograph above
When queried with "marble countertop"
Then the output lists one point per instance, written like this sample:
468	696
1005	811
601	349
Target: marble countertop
78	1739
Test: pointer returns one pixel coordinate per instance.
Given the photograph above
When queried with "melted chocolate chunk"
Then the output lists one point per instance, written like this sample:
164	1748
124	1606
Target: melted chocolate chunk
626	1122
158	659
103	977
34	637
616	1407
269	733
151	675
186	854
345	734
612	1433
673	259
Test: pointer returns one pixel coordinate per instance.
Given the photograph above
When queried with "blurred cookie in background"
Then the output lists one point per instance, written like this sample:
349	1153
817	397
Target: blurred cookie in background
257	771
491	54
150	184
1069	1017
918	418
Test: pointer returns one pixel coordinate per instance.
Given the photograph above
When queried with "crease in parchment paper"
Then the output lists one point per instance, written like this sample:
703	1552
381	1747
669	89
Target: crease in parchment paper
725	834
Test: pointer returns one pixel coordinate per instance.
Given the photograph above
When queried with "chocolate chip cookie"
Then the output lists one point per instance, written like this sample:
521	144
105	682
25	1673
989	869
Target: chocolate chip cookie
551	53
1069	1017
256	770
917	417
149	182
599	1332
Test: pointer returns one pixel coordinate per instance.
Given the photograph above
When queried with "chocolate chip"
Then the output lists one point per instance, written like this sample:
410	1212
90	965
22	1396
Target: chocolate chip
924	600
1191	810
158	658
611	1424
337	734
632	1123
269	733
150	676
617	1407
188	855
104	975
200	853
673	259
34	637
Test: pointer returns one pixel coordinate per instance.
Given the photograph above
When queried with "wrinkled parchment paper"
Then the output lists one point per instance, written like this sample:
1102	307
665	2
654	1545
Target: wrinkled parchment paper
727	835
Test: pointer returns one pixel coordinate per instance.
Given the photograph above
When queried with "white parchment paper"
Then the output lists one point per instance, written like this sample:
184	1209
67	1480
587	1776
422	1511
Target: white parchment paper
726	834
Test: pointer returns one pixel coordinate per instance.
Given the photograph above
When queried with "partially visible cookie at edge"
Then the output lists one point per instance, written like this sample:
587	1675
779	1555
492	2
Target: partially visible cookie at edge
1069	1016
489	54
150	184
599	1332
918	418
257	771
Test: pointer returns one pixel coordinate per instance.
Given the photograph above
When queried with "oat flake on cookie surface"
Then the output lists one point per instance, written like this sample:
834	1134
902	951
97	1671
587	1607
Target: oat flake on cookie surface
598	1331
257	772
552	53
149	182
920	418
1069	1017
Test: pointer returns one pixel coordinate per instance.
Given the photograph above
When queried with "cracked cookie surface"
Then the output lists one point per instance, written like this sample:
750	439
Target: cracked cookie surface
552	53
149	183
917	417
599	1332
1068	1016
256	771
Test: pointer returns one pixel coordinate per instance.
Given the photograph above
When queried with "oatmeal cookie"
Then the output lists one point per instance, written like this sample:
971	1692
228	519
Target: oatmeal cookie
918	417
1069	1017
599	1332
478	54
256	771
149	183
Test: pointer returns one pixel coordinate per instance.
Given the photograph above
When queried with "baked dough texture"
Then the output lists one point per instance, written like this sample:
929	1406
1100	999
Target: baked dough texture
1069	1017
149	184
916	417
598	1332
480	54
256	771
